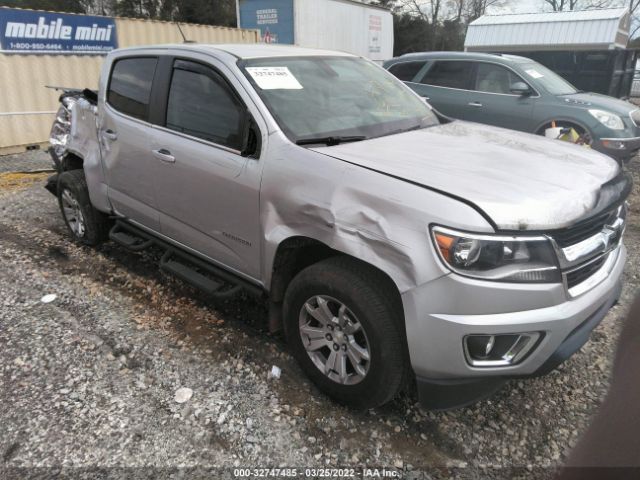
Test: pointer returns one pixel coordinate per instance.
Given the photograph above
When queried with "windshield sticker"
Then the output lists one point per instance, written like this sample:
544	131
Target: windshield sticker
534	73
273	78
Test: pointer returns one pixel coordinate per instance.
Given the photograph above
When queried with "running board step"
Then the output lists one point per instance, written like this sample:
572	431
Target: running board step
135	241
213	280
189	275
195	272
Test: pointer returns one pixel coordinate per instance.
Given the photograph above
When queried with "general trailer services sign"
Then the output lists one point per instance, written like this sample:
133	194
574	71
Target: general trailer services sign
25	31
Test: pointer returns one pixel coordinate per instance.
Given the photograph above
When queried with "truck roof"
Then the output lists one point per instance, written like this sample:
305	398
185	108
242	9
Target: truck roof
249	50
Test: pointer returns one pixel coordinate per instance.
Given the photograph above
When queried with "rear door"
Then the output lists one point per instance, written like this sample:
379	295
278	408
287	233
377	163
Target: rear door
208	193
494	104
447	84
123	132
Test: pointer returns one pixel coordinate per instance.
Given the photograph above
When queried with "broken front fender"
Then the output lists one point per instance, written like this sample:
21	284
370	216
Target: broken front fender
377	218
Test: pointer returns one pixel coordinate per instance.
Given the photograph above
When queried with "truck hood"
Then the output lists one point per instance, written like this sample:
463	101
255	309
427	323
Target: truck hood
520	181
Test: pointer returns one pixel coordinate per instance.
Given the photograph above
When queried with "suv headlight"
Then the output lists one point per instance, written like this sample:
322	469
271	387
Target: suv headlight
497	257
609	120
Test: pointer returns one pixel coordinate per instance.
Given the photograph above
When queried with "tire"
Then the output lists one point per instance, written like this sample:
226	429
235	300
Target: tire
343	282
87	225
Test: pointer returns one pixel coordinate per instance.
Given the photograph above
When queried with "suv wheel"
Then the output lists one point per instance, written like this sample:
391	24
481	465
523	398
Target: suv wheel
344	331
86	224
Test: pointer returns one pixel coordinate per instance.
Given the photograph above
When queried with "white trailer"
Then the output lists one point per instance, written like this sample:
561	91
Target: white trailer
345	25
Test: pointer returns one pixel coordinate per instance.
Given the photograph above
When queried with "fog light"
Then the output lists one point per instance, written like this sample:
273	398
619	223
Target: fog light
614	144
498	350
480	346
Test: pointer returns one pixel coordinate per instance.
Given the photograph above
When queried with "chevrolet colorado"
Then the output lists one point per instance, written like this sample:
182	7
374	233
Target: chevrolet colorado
391	243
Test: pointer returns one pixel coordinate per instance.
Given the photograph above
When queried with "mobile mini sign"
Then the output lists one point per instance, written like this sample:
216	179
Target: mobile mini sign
26	31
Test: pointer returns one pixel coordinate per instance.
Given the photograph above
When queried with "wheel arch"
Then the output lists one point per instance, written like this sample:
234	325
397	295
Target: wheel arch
539	130
294	254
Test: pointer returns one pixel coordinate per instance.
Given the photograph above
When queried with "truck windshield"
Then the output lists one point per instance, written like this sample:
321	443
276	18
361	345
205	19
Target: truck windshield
335	99
549	80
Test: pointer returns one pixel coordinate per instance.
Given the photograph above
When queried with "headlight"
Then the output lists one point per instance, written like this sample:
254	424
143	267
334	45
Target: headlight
498	258
609	120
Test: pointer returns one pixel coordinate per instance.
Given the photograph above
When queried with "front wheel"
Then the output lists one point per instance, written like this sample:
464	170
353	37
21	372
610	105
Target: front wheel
584	137
86	224
344	330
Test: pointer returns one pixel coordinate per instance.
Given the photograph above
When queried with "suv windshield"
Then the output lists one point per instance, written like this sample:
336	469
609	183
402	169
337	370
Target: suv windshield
550	81
335	99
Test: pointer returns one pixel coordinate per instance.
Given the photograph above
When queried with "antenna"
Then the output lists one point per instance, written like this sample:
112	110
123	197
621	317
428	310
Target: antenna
183	36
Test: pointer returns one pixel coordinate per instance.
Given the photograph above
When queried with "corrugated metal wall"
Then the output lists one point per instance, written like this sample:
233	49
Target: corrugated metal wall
27	108
133	32
579	30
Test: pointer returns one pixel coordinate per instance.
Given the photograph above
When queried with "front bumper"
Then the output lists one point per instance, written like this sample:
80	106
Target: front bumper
440	314
619	148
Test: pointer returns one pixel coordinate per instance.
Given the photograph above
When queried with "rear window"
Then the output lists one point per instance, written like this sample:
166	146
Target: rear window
451	74
406	71
130	86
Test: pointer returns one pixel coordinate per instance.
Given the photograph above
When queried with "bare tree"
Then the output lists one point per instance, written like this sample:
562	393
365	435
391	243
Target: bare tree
435	11
477	8
564	5
635	21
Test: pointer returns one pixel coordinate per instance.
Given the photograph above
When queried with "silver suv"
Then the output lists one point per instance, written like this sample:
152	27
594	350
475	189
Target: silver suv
390	244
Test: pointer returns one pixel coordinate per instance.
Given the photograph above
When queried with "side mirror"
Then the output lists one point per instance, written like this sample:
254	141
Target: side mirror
250	137
520	88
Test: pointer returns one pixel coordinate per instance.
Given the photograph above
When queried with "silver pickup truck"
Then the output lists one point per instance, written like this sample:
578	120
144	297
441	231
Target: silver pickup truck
391	243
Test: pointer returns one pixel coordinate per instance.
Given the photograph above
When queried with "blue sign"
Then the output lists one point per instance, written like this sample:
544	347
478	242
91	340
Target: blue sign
274	19
26	31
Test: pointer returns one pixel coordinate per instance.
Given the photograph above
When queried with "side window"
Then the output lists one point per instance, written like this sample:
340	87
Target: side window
495	78
130	86
201	105
451	74
406	71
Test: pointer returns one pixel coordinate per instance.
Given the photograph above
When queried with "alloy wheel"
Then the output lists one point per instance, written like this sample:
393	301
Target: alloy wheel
334	339
73	213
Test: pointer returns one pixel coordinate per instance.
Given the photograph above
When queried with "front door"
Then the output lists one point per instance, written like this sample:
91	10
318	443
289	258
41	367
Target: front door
208	193
123	133
493	103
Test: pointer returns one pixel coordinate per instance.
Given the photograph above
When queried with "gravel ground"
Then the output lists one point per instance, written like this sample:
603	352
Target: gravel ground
90	379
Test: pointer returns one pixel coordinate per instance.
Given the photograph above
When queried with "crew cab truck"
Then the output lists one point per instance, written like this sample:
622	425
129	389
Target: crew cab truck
391	245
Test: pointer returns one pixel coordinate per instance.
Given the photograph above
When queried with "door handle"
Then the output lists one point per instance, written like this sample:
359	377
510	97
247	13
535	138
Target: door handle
110	134
475	104
164	155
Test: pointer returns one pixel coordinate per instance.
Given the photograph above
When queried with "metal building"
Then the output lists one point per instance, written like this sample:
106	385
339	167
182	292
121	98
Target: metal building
588	48
27	108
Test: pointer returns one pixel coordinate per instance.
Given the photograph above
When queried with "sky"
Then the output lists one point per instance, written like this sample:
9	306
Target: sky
525	6
521	6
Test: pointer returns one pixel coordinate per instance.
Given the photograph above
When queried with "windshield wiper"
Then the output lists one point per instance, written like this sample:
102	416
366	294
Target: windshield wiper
330	141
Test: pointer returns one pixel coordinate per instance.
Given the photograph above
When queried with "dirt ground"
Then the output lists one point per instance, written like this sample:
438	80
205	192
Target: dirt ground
89	380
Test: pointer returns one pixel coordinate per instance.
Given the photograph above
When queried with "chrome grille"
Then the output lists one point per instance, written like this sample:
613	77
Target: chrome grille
583	230
584	249
576	277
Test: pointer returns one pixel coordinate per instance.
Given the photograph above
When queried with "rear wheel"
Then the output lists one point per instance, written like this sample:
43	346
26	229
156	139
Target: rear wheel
344	330
86	224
